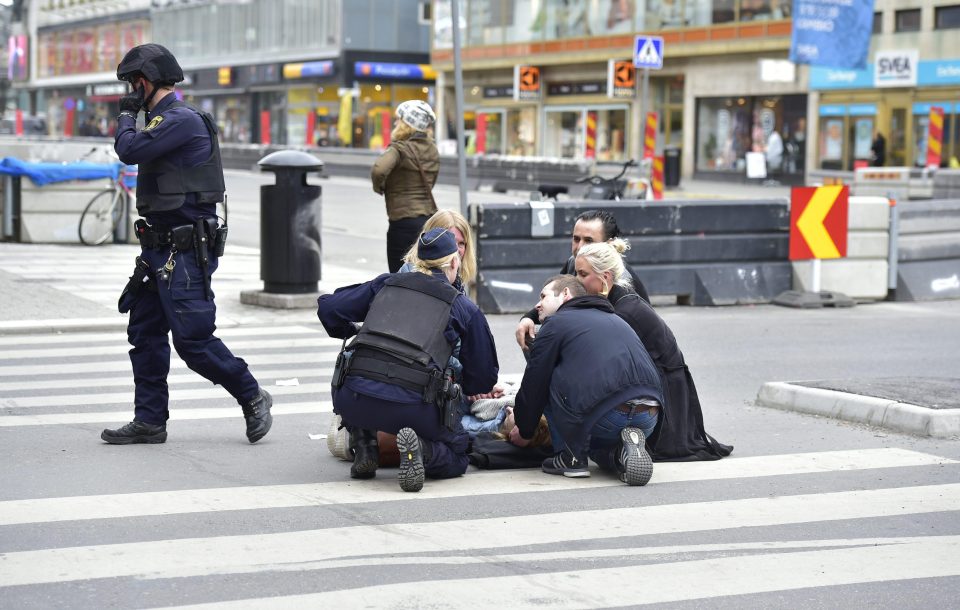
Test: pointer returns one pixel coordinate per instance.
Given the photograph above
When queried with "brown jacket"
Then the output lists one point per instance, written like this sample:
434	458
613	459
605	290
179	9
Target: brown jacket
396	176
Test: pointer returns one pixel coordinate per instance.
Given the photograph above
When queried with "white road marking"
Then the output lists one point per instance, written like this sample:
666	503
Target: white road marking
198	557
384	488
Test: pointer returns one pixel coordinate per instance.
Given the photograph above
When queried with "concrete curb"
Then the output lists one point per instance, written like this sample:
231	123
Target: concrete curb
880	412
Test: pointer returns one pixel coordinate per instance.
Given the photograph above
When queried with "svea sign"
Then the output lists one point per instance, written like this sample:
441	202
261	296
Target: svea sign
895	68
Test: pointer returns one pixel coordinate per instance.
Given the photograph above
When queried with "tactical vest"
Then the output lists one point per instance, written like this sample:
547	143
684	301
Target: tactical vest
403	333
163	183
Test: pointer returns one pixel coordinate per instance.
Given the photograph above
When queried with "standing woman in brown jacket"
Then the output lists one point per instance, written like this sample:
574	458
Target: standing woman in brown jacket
405	174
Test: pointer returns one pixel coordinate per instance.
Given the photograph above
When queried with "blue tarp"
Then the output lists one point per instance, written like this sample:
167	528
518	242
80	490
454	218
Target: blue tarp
46	173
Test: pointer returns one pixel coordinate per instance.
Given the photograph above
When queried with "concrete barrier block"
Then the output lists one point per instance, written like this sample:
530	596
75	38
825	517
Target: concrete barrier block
858	279
869	213
927	280
928	246
60	196
933	216
868	244
53	227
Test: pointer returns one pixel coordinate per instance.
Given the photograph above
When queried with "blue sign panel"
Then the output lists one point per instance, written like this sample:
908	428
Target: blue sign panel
944	72
377	69
317	68
648	52
832	78
831	33
924	107
862	109
832	110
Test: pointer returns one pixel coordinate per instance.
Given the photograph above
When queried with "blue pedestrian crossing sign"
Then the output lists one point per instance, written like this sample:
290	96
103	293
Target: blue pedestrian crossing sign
648	52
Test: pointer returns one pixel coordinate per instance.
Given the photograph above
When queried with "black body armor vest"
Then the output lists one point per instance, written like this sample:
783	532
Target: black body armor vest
163	183
403	333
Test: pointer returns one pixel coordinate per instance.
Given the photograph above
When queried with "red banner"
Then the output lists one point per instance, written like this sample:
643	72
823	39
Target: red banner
265	127
481	133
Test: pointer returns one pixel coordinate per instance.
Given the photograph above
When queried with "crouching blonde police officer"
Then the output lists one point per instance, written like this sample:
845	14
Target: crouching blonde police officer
389	377
179	184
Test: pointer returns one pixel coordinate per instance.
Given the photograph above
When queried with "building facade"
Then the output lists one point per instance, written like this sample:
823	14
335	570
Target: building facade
725	87
291	72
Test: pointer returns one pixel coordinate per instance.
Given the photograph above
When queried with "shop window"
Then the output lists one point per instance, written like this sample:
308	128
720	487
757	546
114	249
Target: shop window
566	19
561	134
521	130
723	11
877	23
946	17
921	133
907	20
755	10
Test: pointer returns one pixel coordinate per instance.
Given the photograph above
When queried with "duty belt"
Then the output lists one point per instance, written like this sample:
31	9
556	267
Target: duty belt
397	374
153	238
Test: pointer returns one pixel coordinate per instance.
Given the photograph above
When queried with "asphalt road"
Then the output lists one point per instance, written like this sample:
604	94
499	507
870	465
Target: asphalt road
807	512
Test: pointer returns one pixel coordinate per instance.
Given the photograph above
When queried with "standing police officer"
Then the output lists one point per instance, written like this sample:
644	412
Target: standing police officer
391	378
179	184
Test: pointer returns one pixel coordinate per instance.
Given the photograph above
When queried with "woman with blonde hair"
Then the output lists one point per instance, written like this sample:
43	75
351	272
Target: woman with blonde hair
466	247
405	175
679	435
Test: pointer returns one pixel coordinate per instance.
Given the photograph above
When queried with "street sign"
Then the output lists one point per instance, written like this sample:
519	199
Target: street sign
621	79
818	222
526	83
648	52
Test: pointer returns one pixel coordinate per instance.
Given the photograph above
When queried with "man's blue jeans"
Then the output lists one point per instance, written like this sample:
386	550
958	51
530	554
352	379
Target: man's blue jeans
605	435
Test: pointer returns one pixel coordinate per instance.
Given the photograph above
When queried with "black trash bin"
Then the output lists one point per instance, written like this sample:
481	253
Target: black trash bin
290	224
671	166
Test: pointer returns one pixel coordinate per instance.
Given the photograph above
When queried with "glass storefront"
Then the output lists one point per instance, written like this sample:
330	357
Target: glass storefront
729	128
522	131
594	132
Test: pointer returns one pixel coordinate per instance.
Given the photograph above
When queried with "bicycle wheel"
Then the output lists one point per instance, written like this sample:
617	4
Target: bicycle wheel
100	217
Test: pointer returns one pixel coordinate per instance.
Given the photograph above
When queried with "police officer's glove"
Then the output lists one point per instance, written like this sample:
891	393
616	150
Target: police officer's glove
132	102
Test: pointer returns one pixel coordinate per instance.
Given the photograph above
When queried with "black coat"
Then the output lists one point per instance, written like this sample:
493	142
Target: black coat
585	362
680	435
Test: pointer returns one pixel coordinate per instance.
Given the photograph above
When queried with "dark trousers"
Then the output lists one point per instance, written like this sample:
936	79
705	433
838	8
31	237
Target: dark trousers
448	449
179	306
401	235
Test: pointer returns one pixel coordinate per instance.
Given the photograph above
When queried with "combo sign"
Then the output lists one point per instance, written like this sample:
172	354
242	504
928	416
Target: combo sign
818	222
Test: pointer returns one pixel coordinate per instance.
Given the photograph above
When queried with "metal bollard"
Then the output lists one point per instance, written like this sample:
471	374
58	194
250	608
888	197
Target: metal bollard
290	224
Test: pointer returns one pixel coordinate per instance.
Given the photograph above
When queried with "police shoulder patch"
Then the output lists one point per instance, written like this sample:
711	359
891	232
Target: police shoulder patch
153	122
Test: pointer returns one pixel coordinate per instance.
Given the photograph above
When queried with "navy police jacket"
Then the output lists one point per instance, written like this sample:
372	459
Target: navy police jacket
339	311
585	361
179	134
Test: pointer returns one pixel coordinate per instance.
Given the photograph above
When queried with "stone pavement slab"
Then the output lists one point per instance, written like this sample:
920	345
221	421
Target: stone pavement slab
922	406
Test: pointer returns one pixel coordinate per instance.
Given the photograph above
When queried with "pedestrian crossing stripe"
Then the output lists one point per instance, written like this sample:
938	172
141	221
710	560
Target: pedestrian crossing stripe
310	549
874	560
176	414
176	502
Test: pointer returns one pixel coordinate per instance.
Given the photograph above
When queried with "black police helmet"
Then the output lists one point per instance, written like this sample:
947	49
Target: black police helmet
155	62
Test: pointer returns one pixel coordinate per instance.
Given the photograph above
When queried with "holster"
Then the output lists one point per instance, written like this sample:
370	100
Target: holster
452	398
342	367
138	281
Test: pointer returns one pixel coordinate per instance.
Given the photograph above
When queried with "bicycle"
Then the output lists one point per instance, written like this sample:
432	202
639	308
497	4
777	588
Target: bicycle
100	217
615	189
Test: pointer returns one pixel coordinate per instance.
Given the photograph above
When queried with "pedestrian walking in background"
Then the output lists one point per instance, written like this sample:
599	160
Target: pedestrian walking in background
179	184
405	174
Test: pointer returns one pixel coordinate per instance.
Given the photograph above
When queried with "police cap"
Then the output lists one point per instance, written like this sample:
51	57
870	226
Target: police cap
436	244
155	62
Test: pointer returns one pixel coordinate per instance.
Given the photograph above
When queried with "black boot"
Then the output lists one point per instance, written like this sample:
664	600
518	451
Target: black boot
366	453
135	432
257	414
412	457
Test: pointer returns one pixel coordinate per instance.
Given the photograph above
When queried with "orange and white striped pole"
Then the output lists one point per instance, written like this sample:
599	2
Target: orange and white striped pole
656	178
935	136
591	148
650	136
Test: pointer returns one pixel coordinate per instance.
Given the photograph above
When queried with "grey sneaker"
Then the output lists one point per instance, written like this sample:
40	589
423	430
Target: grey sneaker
136	432
411	460
567	464
634	462
338	440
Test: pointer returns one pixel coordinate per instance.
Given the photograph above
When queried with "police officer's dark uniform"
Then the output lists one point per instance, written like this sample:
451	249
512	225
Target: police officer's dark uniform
179	184
388	377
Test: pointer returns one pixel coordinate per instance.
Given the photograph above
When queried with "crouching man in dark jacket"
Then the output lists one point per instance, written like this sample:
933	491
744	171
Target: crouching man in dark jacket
591	376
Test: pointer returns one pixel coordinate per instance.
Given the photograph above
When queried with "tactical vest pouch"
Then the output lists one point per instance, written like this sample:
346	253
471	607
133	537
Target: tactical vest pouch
182	238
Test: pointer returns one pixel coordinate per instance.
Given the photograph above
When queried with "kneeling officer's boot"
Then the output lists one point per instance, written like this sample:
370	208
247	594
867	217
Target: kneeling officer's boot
257	414
366	453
